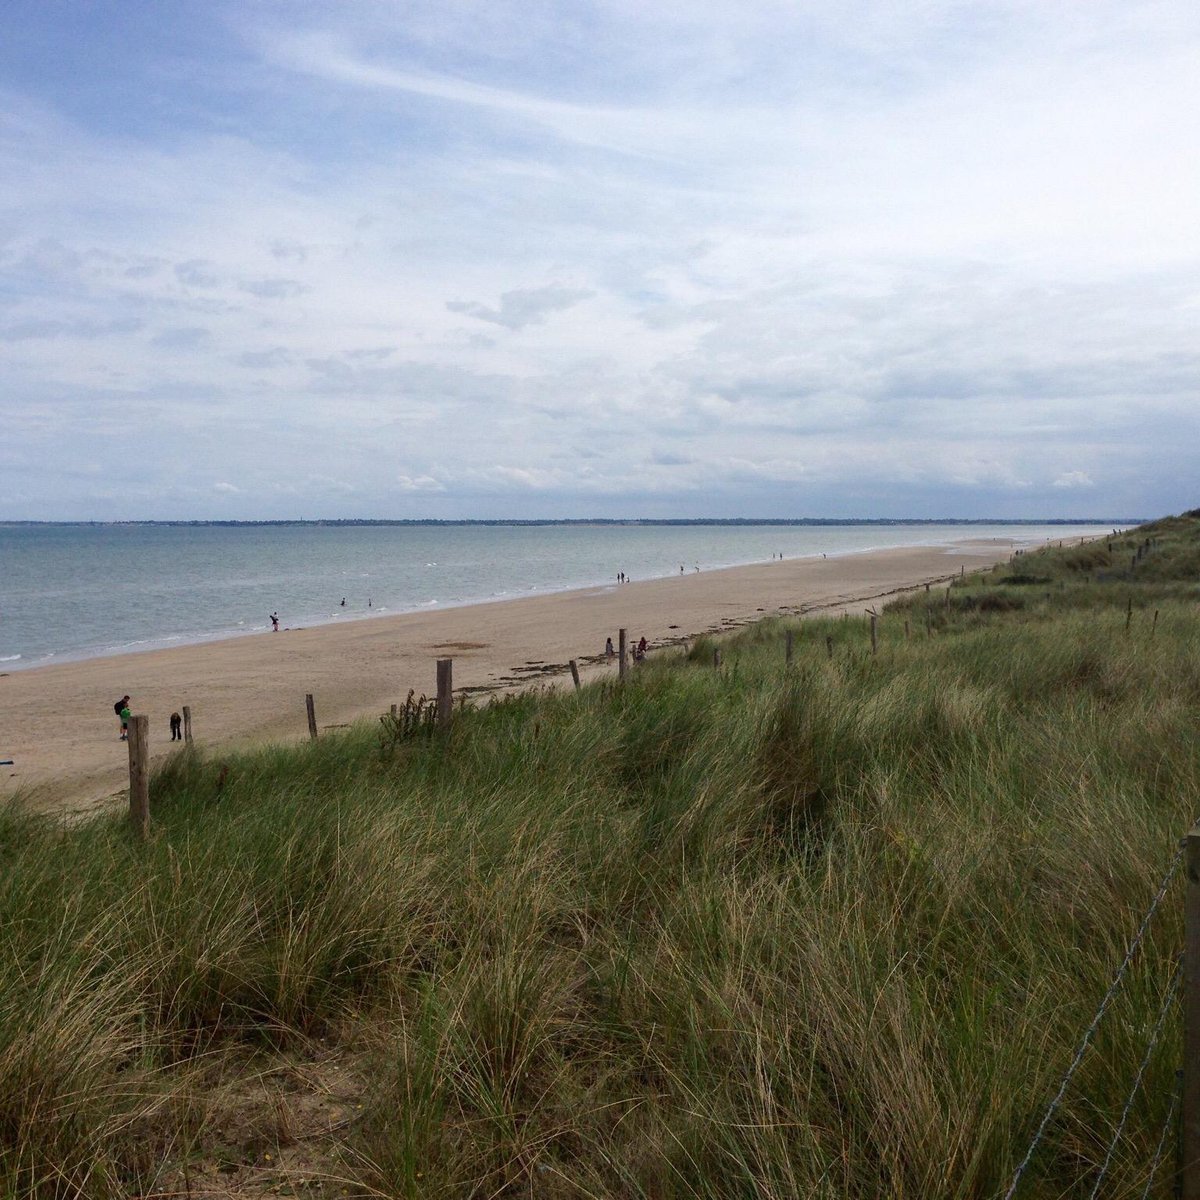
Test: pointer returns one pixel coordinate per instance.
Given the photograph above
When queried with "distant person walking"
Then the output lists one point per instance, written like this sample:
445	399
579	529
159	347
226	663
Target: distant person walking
274	622
176	727
121	708
608	649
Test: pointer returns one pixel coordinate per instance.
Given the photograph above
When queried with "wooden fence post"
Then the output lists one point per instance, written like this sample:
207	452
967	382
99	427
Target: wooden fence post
874	634
788	645
1190	1121
829	646
716	657
620	653
575	673
312	715
1128	613
445	691
139	775
907	634
187	725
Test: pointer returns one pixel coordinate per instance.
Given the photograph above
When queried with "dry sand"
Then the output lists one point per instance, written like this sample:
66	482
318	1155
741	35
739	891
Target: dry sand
57	722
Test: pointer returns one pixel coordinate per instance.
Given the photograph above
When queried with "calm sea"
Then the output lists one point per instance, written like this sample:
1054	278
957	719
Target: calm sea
76	591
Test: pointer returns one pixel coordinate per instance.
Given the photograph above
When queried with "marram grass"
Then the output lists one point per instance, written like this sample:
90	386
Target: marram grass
832	931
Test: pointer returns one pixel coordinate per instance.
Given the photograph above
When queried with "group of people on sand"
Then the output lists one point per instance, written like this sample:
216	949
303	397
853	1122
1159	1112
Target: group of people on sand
639	651
121	708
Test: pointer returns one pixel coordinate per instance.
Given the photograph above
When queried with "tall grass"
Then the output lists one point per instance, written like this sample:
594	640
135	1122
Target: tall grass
832	931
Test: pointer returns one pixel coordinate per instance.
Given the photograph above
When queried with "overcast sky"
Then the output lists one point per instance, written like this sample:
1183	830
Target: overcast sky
634	257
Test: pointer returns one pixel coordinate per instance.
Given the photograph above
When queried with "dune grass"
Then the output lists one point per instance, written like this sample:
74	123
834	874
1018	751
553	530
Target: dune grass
827	931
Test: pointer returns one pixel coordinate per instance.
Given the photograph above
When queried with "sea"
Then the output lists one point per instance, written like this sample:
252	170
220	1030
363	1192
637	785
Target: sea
70	591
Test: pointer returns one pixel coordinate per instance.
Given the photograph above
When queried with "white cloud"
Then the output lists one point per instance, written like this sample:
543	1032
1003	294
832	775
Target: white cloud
1074	479
637	253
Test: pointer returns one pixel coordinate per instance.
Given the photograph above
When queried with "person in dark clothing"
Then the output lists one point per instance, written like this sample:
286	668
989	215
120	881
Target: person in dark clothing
176	727
121	708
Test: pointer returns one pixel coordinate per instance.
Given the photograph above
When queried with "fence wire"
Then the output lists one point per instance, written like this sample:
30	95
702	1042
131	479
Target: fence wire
1137	1079
1162	1138
1113	987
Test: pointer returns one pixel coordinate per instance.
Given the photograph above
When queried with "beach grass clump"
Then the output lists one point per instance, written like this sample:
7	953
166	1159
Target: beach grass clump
832	929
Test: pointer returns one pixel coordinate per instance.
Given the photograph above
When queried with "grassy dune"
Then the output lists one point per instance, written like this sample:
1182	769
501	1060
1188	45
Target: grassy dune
826	931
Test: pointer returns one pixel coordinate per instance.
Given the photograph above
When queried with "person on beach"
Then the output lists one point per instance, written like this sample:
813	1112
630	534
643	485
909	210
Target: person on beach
121	708
608	649
176	727
274	622
639	654
343	602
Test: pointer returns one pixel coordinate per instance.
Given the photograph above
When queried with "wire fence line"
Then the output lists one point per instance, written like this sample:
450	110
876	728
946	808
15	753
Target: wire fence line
1155	1034
1093	1025
1162	1137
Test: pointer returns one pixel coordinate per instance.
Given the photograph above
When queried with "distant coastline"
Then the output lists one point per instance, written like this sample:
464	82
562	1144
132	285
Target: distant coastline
350	522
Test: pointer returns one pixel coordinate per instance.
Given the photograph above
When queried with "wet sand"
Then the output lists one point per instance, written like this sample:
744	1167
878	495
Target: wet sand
57	722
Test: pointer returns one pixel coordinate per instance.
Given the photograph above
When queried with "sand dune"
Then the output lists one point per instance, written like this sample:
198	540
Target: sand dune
57	722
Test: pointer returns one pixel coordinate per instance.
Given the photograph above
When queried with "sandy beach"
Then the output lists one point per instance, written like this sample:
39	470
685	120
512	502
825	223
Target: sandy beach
57	722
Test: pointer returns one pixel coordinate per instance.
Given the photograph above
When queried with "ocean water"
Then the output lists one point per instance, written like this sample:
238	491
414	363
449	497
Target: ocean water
76	591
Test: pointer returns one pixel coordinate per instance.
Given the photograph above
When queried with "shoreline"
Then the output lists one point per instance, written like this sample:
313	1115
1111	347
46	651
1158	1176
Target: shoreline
60	730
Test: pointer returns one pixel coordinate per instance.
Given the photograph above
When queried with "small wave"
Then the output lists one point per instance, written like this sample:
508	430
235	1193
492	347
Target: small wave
429	602
9	657
431	564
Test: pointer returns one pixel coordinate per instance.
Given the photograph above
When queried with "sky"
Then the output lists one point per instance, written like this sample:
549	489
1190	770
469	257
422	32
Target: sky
658	258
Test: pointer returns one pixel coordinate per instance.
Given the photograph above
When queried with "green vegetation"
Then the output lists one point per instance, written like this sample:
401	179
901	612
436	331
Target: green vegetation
827	931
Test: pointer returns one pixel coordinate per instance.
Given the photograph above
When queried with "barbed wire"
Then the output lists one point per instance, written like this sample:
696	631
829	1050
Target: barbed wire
1162	1137
1093	1025
1137	1079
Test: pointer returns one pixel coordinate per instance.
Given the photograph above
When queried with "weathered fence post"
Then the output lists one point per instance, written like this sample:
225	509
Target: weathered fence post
187	725
575	673
716	657
1128	613
445	691
874	634
1189	1163
829	645
907	634
620	653
788	645
312	715
139	775
395	711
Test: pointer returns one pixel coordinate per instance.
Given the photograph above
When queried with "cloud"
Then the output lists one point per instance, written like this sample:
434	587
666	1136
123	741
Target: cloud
523	306
1074	479
274	289
952	254
419	483
196	273
189	338
226	488
276	356
39	329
